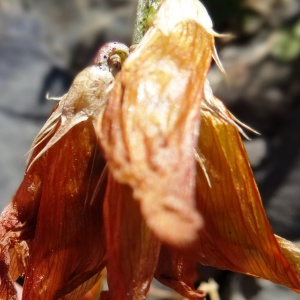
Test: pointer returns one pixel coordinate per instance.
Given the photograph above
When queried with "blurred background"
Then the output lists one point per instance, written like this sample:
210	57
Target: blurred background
44	44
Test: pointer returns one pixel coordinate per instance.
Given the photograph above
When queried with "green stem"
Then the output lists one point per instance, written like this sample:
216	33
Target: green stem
140	22
146	10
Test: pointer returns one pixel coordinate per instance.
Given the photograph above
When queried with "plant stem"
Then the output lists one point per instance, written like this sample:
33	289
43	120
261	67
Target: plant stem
145	12
140	22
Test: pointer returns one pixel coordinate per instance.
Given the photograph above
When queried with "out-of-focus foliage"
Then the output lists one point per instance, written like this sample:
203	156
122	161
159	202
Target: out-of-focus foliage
288	44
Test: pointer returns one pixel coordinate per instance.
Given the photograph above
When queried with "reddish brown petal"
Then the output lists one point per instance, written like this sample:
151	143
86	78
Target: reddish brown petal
132	250
105	295
292	254
68	247
7	289
17	223
64	183
237	234
150	127
177	270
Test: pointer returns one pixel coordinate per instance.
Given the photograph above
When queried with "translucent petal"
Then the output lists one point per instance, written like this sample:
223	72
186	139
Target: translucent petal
53	229
132	250
17	226
68	247
151	123
237	235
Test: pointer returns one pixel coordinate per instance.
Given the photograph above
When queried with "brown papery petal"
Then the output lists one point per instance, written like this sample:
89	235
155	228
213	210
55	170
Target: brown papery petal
237	235
17	224
8	221
176	270
132	250
64	182
292	254
69	246
150	127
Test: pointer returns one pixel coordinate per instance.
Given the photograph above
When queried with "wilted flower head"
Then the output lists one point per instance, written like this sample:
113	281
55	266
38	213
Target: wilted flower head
52	231
151	123
145	175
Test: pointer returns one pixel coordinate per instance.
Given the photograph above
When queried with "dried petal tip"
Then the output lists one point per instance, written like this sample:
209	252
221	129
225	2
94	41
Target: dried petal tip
173	12
172	220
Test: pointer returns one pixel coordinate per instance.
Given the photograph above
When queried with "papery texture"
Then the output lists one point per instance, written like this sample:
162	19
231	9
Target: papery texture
53	229
171	12
292	254
17	225
7	289
85	100
68	247
132	250
150	127
237	234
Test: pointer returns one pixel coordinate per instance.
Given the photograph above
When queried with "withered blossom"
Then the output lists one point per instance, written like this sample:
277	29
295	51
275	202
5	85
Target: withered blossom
52	232
145	174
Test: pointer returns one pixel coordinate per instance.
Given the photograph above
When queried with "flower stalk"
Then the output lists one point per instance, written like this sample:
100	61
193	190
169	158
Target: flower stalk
146	10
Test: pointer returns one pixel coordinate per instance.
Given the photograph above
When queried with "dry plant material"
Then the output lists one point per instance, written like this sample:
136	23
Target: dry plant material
150	127
52	231
237	234
125	176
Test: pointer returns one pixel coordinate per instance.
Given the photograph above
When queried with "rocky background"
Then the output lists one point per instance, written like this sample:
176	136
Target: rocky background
44	44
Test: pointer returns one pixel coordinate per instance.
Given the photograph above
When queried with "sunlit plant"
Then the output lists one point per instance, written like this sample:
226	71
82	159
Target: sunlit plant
142	171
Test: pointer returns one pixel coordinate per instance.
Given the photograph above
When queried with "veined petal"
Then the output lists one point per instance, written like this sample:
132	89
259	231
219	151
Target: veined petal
237	235
86	97
132	249
17	225
292	254
151	123
176	270
69	245
59	197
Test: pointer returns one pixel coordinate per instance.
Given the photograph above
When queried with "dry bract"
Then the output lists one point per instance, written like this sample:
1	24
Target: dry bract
125	176
151	123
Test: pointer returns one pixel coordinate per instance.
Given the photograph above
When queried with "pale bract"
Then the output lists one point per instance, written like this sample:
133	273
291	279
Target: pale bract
171	12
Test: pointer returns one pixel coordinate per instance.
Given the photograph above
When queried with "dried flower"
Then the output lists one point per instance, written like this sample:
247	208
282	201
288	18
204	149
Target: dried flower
194	191
237	235
151	123
53	231
175	191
